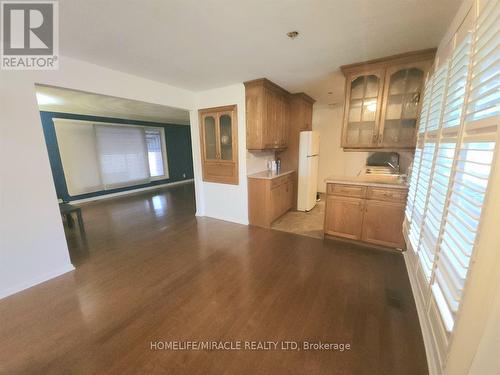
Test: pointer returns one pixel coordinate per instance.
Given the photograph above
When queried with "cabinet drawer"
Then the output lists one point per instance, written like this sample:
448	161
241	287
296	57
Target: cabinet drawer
346	190
281	180
277	181
384	194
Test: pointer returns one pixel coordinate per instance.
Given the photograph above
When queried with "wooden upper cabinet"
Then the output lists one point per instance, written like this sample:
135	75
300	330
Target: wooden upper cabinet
267	115
362	109
383	99
401	106
219	144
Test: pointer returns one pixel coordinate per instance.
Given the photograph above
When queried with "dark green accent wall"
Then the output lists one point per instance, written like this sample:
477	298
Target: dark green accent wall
177	137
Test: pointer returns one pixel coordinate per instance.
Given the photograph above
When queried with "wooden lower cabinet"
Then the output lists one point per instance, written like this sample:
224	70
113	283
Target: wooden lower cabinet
369	214
344	216
268	199
383	222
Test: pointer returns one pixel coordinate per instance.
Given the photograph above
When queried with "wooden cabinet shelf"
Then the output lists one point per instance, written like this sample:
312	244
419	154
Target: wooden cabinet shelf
382	101
219	144
354	212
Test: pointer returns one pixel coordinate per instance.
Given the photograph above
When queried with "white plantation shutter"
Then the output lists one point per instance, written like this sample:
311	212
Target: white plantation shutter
413	184
422	123
421	194
433	114
435	205
472	167
484	88
437	97
453	163
457	84
472	170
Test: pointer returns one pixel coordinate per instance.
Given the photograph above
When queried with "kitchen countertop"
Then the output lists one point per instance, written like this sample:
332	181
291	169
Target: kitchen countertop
367	180
268	175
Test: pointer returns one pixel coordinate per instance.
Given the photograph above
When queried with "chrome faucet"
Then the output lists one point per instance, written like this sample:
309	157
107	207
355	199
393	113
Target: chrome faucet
395	169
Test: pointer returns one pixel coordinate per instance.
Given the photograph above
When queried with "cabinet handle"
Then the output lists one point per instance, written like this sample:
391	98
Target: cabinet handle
375	137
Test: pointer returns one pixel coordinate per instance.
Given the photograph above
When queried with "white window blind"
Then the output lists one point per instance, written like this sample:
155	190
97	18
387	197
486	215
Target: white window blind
454	157
122	155
78	151
101	156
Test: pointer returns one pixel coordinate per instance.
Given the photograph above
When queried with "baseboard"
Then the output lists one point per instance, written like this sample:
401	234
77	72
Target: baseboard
129	192
35	281
432	360
225	218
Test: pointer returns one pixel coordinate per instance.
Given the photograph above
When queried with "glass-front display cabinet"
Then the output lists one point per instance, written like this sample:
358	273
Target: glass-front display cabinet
362	112
219	145
382	101
402	97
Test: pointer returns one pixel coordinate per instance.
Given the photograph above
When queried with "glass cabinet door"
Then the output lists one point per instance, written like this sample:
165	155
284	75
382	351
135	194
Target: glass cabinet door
399	120
225	137
210	137
361	127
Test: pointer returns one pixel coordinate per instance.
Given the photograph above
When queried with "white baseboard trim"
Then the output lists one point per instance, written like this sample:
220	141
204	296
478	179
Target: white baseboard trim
225	218
132	191
35	281
432	360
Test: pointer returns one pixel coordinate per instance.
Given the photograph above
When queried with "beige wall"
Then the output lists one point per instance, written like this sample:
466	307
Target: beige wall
333	160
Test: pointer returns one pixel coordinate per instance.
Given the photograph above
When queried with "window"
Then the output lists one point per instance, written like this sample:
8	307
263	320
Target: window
102	156
122	155
457	141
155	152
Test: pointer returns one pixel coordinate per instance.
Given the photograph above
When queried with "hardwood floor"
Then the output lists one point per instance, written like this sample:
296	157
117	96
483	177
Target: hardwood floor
152	272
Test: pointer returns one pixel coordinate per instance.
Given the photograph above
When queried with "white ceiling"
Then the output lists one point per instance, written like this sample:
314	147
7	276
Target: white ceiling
56	99
199	45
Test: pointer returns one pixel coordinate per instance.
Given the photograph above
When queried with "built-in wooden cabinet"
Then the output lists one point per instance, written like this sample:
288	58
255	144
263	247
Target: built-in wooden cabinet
219	144
365	213
362	111
269	198
382	101
267	115
383	223
344	216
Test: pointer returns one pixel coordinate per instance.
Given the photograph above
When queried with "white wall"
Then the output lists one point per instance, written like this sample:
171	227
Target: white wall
221	201
32	243
333	160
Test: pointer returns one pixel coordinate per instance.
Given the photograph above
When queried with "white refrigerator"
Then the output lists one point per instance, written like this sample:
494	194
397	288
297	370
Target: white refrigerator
308	170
